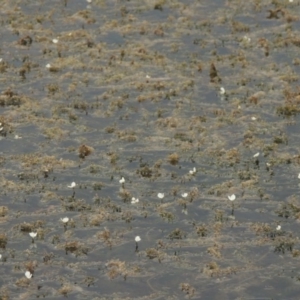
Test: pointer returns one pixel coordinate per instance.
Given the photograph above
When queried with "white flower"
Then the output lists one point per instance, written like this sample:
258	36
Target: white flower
278	227
222	91
55	41
291	1
299	175
1	128
184	195
253	119
0	256
122	180
134	200
33	234
65	220
193	171
1	59
256	154
28	274
137	239
17	137
48	66
160	195
73	184
231	197
246	39
89	1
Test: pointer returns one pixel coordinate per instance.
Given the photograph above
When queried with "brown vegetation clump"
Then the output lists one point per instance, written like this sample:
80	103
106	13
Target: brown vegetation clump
3	211
173	159
84	151
115	268
65	290
3	240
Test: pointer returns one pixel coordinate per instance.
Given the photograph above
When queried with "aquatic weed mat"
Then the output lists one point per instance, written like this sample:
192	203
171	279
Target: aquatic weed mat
149	149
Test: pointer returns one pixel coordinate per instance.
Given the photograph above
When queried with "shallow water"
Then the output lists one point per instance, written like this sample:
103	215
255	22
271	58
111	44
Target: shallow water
133	81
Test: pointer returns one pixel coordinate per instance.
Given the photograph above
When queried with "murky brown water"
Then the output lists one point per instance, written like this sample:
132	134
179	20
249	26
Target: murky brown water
93	92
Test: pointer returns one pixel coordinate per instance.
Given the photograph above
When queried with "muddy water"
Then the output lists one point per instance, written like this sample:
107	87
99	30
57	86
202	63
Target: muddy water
93	92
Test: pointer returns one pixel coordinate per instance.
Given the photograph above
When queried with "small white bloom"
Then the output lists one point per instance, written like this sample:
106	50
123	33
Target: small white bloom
246	39
137	239
231	197
65	220
222	91
134	200
160	195
184	195
1	128
291	1
33	234
253	119
278	227
122	180
256	154
28	274
48	66
73	184
1	59
184	211
55	41
193	171
0	256
148	77
299	175
17	137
